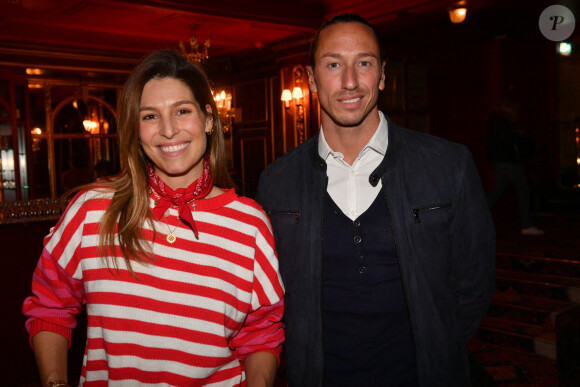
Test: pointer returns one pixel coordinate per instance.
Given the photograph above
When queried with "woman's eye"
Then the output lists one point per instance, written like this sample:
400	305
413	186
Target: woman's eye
148	117
183	111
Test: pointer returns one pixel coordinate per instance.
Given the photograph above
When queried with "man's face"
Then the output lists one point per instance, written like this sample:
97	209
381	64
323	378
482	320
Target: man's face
348	75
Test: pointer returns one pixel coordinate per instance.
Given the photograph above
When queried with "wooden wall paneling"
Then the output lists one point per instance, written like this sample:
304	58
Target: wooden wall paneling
276	122
300	79
252	98
286	128
392	100
254	155
14	124
314	114
49	131
252	137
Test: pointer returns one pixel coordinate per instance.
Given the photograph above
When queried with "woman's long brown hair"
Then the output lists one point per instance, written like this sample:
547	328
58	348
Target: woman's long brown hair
129	208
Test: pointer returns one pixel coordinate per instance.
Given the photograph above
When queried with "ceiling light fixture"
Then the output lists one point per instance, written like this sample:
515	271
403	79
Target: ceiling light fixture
457	15
196	54
34	71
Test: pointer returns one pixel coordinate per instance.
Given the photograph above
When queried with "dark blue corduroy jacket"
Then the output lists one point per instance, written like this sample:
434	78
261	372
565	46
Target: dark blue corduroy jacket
444	238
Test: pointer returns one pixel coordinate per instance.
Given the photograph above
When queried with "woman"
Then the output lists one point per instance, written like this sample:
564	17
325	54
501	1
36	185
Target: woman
179	275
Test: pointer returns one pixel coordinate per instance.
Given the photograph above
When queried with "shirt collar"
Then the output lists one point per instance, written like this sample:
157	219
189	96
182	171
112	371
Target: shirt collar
378	142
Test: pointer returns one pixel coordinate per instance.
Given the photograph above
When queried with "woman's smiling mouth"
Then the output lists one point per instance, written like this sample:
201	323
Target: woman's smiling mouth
173	148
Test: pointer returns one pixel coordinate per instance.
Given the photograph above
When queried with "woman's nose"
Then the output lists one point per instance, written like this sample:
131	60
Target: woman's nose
168	127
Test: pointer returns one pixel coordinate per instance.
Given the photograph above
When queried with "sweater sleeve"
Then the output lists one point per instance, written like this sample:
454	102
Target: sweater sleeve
57	299
57	291
263	329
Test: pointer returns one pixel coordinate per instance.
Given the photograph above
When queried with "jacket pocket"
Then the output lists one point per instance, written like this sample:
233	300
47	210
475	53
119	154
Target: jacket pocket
434	213
284	215
289	234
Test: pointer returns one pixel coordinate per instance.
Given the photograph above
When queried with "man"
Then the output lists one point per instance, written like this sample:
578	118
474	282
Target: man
384	236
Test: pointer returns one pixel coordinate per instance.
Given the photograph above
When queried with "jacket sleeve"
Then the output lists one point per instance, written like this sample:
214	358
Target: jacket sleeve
263	329
473	236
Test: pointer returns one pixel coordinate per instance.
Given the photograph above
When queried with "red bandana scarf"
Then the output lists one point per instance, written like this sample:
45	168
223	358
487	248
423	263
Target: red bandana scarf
165	197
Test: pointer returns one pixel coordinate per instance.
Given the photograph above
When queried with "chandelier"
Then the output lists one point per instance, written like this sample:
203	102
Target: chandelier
196	54
223	101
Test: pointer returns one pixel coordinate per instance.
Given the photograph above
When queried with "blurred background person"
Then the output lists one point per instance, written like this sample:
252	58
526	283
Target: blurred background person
506	146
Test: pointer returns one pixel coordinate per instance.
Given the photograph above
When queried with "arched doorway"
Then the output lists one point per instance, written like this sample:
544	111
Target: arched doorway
84	142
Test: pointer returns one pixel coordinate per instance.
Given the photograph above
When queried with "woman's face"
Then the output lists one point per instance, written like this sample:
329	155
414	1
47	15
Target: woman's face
172	130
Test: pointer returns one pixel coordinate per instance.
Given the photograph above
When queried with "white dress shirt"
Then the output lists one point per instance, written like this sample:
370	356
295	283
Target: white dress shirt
348	185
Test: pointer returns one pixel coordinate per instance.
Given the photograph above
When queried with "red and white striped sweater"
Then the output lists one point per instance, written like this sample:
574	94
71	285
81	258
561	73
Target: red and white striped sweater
192	315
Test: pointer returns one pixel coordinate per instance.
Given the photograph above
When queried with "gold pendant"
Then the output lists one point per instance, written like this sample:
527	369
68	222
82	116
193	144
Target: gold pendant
171	238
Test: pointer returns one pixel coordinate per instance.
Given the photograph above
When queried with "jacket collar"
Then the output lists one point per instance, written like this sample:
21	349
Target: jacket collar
390	160
317	162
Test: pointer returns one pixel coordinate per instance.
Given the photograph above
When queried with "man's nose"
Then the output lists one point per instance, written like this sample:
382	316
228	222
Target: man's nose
349	78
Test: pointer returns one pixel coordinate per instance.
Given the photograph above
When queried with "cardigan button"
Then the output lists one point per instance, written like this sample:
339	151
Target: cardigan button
357	239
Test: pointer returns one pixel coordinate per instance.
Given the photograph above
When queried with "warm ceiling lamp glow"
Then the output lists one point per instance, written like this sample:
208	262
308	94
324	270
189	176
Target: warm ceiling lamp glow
91	126
32	71
457	15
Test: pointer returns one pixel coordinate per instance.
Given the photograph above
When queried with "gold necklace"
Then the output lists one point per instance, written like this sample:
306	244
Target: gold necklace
171	238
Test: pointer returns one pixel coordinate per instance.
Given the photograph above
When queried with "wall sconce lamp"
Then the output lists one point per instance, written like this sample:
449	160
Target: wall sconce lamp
286	97
298	96
36	133
295	95
457	15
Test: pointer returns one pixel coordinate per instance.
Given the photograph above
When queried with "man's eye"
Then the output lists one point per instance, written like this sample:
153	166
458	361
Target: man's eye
333	65
365	63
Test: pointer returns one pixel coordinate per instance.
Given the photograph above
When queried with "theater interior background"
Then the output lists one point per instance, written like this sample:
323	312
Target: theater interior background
63	64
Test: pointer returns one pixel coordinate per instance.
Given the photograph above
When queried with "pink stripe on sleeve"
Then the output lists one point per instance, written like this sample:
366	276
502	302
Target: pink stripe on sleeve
263	331
57	299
